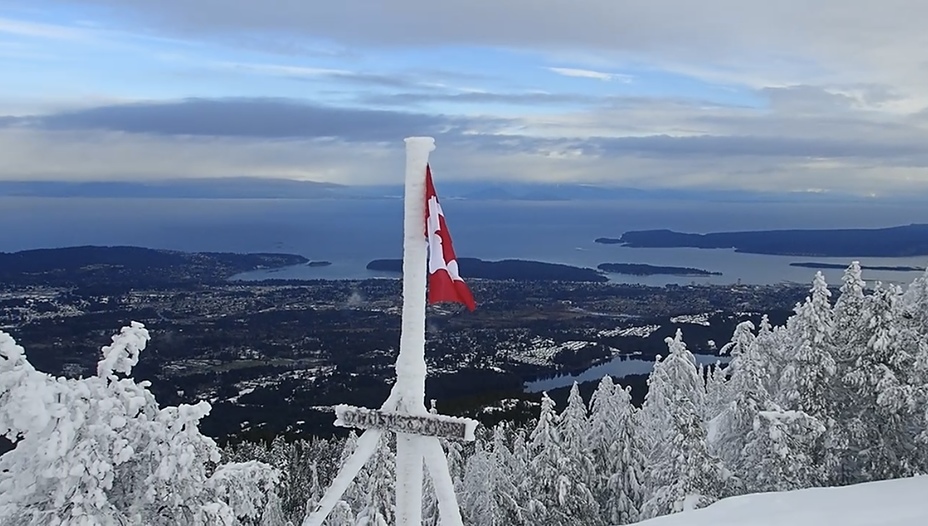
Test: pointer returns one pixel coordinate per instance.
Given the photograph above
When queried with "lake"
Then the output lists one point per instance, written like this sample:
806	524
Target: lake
618	367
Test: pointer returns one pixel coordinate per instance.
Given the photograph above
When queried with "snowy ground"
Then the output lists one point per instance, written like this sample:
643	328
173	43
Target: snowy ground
888	503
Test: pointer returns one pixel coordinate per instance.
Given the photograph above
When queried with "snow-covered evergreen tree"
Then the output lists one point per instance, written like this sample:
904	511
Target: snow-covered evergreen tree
544	468
848	310
888	390
576	463
777	453
850	337
314	486
914	321
617	452
677	373
100	451
479	502
515	491
811	367
455	453
718	390
510	472
915	301
682	472
729	427
683	475
809	371
431	515
377	506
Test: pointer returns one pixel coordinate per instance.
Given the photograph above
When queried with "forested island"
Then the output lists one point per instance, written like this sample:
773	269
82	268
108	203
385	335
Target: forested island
642	269
130	266
840	266
507	269
899	241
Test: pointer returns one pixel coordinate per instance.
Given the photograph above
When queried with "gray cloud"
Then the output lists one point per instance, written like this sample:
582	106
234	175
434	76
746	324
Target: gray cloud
373	79
734	136
708	146
529	99
839	85
394	80
807	99
258	118
624	141
36	154
787	40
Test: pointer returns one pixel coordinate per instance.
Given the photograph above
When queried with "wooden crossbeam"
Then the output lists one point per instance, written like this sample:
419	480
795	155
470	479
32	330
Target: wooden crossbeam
432	425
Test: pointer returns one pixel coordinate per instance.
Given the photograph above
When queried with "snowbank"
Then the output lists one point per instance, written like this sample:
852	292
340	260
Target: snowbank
898	502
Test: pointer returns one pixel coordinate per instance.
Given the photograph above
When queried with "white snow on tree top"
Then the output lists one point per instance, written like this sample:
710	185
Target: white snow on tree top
100	450
123	354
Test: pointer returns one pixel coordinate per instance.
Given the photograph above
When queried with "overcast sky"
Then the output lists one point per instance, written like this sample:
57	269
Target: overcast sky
803	95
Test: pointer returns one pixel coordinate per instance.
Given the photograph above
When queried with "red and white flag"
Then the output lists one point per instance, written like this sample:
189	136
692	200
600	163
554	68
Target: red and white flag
445	283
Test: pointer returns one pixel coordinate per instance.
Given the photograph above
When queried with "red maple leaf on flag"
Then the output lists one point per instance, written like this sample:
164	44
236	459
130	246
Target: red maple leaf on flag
445	283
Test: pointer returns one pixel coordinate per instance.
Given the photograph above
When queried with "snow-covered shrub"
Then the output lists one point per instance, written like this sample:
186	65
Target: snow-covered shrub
100	451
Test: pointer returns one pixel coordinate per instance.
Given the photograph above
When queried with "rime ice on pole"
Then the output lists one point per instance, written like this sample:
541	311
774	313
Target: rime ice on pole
410	365
404	411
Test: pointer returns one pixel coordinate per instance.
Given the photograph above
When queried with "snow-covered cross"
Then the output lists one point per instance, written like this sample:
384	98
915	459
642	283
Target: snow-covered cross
404	411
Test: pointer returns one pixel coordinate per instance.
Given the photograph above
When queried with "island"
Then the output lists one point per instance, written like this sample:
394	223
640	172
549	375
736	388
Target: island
839	266
507	269
121	266
642	269
899	241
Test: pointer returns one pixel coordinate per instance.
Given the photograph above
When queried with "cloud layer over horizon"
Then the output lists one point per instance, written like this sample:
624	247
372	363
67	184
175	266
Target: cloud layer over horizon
721	94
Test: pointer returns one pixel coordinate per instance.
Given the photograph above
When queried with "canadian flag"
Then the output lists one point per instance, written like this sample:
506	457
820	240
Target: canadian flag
445	283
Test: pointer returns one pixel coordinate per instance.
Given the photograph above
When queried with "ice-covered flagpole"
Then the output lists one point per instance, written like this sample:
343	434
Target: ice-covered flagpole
410	364
404	410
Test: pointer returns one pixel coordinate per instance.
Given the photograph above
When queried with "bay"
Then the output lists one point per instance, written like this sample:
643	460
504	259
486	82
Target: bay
349	233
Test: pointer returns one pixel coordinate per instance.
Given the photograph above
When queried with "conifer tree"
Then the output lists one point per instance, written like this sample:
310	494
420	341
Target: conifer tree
850	338
809	373
576	463
718	390
811	366
682	472
510	471
379	492
888	390
748	396
99	450
479	504
777	455
618	456
674	374
544	468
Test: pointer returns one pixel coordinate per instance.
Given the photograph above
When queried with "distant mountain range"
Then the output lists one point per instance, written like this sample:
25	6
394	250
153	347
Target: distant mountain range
223	188
262	188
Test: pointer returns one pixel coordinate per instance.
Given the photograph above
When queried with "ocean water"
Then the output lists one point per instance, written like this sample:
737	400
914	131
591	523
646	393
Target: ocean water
349	233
